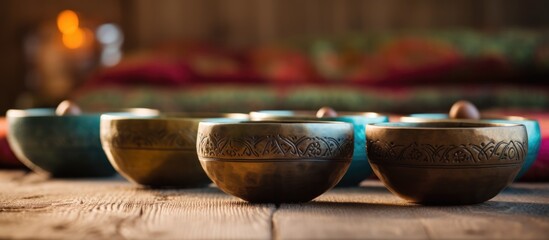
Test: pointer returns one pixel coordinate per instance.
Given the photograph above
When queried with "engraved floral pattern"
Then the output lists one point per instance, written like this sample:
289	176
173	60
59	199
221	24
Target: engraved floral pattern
274	146
488	152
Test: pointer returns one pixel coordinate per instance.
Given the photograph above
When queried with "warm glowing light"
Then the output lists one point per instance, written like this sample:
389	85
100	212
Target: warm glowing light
75	39
67	22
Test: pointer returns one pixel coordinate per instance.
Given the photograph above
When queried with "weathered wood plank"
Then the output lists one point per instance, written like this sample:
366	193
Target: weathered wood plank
520	212
32	206
107	209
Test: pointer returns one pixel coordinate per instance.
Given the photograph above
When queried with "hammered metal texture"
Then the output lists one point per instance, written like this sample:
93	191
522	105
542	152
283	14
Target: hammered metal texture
275	161
446	162
157	152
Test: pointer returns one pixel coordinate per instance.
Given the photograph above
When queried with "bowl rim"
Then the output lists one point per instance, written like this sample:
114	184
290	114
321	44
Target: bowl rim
312	114
50	113
295	122
419	117
469	125
44	113
174	116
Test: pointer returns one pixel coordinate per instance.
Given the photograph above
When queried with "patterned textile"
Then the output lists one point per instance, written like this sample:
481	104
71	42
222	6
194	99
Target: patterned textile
245	98
390	59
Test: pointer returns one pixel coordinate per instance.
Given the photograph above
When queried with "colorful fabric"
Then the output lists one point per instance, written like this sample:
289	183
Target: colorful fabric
7	158
378	59
245	98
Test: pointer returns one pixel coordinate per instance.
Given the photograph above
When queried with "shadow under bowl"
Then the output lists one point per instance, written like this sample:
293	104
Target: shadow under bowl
532	129
61	146
275	161
359	169
157	151
446	163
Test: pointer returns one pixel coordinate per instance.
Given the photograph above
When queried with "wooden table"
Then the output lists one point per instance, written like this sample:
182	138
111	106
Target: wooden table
32	206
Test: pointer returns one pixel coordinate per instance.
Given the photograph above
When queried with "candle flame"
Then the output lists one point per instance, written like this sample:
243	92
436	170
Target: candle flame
75	39
67	22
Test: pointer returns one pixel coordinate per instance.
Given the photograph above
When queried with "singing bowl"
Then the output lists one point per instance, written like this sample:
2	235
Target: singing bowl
157	151
360	168
61	146
446	163
532	129
275	161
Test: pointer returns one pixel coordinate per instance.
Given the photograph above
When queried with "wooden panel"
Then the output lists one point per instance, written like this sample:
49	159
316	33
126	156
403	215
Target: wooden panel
169	20
64	209
266	25
21	17
377	14
238	22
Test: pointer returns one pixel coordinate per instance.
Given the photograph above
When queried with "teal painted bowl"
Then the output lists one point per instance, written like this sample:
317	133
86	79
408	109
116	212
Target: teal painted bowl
360	168
61	146
532	129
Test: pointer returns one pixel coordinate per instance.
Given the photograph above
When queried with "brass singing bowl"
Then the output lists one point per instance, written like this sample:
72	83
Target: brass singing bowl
157	151
360	168
275	161
446	163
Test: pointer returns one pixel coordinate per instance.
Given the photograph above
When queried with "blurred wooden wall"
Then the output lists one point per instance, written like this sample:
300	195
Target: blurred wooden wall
18	17
247	22
243	22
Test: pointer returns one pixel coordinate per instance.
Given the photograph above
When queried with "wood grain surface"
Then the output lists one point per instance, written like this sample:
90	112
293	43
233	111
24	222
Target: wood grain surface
371	212
32	206
115	209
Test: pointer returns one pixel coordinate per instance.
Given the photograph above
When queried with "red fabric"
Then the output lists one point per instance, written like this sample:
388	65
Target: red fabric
401	62
7	158
281	65
151	72
539	171
177	65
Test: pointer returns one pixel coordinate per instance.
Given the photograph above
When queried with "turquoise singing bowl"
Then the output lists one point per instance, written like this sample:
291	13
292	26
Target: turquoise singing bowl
360	168
60	146
532	129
